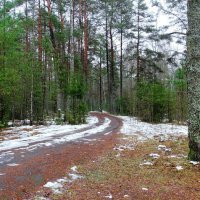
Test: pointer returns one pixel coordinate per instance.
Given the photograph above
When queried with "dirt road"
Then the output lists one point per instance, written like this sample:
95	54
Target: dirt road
24	170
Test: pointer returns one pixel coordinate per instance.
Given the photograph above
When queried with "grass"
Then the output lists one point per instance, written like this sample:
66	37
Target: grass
125	178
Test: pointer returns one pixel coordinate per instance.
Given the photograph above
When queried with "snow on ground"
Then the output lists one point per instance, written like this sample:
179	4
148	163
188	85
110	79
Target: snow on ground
194	162
13	164
27	131
57	186
124	147
109	196
143	131
154	155
47	136
178	167
50	135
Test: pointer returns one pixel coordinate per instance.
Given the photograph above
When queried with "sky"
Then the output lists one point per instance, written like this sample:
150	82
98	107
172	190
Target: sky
162	18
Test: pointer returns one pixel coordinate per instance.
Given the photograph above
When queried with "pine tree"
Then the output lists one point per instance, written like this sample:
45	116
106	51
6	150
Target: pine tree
193	77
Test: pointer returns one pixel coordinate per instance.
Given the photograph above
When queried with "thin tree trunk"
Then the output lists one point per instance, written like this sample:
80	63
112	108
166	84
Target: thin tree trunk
80	25
31	110
85	40
51	25
107	61
39	34
72	36
138	63
112	70
100	83
27	48
138	48
121	65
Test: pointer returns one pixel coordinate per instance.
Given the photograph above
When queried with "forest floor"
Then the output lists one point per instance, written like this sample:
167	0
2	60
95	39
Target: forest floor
144	161
131	170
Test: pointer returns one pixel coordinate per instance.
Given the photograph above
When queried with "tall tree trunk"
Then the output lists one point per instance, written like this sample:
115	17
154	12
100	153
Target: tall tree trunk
39	34
85	40
52	36
27	48
112	70
2	109
193	77
138	62
100	83
121	64
56	57
107	60
80	45
72	35
138	47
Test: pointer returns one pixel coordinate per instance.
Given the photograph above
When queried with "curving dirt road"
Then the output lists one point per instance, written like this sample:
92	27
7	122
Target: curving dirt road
23	170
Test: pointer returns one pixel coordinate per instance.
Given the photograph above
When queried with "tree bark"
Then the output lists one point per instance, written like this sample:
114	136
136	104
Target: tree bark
72	36
85	40
39	34
193	77
121	63
112	70
138	47
107	60
100	83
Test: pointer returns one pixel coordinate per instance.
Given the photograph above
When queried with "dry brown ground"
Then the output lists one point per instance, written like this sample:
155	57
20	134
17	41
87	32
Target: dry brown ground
122	176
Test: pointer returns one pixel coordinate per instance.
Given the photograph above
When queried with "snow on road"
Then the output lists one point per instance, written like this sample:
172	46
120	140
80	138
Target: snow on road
47	136
53	133
132	127
143	131
45	131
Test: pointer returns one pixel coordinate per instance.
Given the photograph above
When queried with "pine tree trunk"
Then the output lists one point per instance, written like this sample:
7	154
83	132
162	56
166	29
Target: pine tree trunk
85	40
112	71
107	61
121	64
193	77
138	47
100	83
71	35
39	35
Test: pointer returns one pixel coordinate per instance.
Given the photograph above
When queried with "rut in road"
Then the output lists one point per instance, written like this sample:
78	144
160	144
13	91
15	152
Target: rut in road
34	168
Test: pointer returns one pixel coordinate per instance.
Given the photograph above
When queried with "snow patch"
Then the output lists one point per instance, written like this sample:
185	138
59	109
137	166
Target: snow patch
74	168
178	167
54	186
154	155
143	131
177	156
164	148
57	186
194	162
13	164
75	176
124	147
147	163
50	135
109	196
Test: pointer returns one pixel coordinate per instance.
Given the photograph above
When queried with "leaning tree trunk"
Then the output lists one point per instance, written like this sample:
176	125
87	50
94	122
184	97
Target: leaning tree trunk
193	77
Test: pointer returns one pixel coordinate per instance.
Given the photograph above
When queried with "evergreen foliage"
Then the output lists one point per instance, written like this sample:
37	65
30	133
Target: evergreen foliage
58	60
